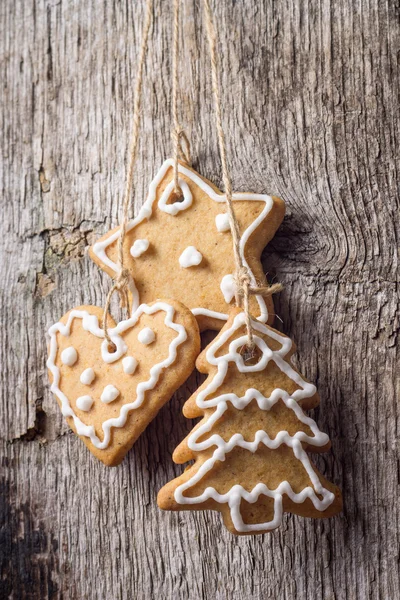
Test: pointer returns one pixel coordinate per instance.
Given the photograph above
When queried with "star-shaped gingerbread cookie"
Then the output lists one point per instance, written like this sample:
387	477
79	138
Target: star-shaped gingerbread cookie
181	248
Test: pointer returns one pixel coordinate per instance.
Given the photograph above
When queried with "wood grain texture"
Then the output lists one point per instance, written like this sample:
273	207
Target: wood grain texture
311	107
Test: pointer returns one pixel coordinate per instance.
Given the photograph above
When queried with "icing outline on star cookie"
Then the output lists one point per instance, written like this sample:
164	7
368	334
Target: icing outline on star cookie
99	248
90	323
319	439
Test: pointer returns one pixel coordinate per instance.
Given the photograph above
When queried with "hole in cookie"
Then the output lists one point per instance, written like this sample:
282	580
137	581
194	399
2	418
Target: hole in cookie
251	356
175	196
111	348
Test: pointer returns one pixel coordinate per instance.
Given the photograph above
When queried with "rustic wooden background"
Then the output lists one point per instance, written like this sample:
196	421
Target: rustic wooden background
311	106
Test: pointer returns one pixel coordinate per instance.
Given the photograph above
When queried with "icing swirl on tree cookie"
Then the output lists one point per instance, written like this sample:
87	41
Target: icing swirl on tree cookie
202	437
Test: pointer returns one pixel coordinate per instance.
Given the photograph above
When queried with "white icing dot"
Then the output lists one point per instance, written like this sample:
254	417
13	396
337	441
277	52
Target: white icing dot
84	403
129	364
69	356
222	222
190	257
139	247
87	376
146	336
110	393
228	288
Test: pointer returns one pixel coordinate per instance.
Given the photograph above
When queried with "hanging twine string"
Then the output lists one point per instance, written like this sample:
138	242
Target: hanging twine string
121	284
181	144
243	280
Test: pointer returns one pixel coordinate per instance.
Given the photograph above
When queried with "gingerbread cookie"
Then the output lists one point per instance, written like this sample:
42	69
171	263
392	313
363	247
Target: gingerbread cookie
109	395
250	448
182	248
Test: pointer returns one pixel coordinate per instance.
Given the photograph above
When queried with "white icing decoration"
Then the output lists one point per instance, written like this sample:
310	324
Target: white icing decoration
222	222
146	336
235	495
139	247
190	257
84	403
90	323
228	288
99	249
175	207
109	394
69	356
87	377
129	364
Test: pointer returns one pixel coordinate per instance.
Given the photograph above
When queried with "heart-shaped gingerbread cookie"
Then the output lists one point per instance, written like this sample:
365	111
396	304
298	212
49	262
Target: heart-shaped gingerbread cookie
109	395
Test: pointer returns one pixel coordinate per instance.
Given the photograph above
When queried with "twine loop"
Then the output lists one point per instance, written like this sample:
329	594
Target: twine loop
242	277
242	281
122	281
181	144
122	285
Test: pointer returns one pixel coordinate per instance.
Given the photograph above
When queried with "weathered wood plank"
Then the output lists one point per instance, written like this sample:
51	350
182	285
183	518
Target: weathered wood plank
312	112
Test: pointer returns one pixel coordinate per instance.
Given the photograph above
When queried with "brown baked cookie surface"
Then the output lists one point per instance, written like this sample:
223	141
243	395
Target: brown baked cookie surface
109	395
250	450
182	248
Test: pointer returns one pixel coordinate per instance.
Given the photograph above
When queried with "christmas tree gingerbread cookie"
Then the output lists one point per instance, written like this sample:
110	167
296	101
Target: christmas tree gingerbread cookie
109	394
250	448
181	248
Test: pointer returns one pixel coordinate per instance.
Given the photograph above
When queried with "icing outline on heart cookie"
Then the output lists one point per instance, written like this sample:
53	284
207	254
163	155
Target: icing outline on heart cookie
90	323
99	248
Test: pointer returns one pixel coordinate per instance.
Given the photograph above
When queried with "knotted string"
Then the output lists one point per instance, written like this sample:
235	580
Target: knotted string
122	281
243	279
181	144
